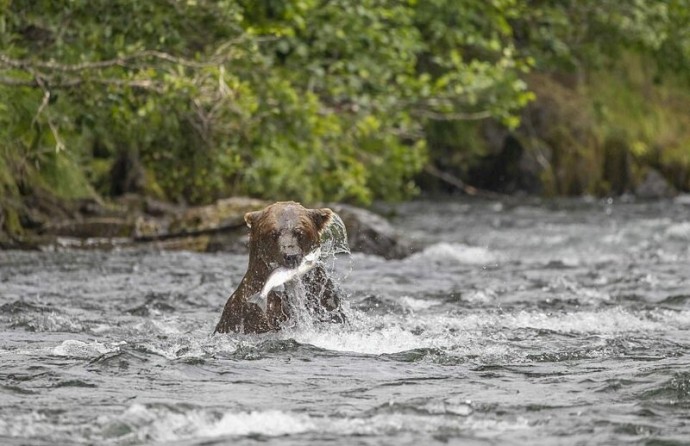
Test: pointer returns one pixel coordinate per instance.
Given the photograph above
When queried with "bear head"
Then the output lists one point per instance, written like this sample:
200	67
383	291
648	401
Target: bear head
284	232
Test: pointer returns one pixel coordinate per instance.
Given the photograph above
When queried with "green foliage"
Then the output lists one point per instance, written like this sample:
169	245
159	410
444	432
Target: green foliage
302	99
306	99
654	126
590	35
611	90
630	73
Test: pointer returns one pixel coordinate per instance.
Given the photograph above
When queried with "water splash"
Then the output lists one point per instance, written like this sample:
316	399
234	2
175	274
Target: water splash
335	251
334	238
334	257
282	275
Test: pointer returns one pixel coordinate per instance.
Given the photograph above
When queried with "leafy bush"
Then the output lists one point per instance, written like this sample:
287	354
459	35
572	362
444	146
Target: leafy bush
303	99
306	99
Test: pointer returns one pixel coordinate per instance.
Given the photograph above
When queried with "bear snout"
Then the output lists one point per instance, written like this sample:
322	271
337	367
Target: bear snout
292	260
290	250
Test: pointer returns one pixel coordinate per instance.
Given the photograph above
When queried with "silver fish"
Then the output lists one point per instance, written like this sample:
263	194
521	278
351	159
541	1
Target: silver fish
281	275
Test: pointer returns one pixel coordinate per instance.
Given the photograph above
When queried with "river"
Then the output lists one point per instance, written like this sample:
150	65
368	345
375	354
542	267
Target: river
522	322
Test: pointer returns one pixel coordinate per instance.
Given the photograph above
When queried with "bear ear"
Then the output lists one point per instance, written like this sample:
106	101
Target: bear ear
251	217
320	217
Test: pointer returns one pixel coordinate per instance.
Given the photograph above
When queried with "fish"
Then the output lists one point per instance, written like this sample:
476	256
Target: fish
282	275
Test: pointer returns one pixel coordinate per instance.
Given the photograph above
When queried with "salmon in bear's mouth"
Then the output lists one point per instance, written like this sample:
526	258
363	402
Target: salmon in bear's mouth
282	275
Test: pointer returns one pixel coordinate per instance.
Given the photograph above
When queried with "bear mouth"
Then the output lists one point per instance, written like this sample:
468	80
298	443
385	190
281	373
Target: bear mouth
292	260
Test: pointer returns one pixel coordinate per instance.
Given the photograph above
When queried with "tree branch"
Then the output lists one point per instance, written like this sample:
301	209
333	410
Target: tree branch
119	61
59	145
438	116
458	183
142	84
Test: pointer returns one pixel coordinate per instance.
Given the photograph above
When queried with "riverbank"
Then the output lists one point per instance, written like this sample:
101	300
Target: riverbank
605	133
142	222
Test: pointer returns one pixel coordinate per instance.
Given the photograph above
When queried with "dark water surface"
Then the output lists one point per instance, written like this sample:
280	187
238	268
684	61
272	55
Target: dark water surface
560	323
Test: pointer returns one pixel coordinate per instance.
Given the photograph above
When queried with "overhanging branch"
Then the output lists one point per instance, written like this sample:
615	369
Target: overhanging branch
64	83
123	61
438	116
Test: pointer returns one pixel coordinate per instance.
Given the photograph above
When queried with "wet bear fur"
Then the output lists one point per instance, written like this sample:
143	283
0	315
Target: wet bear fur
280	236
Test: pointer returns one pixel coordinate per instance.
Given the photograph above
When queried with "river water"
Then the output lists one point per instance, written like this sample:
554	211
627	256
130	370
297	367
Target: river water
522	323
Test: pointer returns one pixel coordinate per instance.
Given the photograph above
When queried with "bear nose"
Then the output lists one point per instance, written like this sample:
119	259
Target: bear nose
292	260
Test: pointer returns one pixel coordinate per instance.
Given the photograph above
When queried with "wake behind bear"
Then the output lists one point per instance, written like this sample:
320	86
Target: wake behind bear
280	236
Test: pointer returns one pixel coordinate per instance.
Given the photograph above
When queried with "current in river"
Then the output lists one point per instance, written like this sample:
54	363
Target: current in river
522	322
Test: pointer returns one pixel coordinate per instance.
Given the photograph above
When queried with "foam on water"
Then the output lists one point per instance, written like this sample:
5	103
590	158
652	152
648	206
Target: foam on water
387	339
393	333
607	321
27	426
418	304
467	333
74	348
456	253
682	199
163	424
369	334
480	296
679	231
610	321
52	322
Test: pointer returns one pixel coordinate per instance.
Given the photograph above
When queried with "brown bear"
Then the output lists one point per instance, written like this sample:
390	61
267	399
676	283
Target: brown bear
280	236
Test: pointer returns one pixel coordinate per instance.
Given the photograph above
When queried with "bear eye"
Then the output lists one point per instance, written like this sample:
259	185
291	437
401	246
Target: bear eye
298	233
275	234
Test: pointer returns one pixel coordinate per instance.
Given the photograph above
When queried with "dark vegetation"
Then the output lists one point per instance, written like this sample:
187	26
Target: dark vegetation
337	100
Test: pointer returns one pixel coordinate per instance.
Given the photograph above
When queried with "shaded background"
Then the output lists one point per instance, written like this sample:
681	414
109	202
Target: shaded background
191	101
